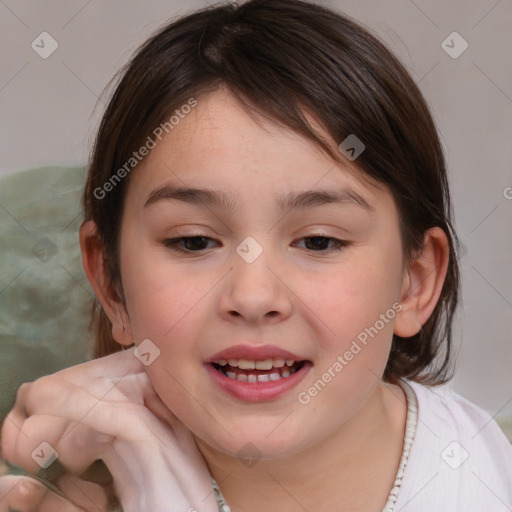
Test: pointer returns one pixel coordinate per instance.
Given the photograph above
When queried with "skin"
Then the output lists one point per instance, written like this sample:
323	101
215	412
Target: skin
348	439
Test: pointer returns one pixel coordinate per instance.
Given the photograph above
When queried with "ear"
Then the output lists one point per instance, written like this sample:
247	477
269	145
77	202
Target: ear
422	283
96	272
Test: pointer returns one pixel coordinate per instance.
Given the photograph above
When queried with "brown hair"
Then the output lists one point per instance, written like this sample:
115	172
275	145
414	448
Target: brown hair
280	58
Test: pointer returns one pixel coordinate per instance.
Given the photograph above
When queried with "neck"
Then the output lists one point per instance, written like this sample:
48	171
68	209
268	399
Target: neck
334	474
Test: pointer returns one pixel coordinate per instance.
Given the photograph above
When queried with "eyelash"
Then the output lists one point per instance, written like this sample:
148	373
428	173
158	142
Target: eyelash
172	243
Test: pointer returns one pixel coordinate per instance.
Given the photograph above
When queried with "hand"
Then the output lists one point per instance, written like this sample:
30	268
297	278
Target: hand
26	494
22	493
107	410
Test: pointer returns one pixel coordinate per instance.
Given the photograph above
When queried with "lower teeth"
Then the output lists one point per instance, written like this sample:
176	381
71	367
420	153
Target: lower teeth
264	377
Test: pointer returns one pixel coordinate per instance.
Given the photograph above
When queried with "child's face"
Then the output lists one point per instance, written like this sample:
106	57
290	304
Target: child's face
301	294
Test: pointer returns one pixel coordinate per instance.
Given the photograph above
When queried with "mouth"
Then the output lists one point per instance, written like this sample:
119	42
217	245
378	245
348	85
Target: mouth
256	374
254	371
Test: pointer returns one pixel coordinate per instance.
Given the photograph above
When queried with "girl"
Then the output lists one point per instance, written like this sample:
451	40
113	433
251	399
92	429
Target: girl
267	229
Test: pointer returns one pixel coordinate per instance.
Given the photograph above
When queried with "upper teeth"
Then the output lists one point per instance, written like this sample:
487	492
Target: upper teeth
265	364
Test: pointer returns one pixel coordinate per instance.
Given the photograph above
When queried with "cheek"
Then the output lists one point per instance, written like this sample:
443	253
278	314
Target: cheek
355	296
357	309
165	305
161	297
169	306
359	305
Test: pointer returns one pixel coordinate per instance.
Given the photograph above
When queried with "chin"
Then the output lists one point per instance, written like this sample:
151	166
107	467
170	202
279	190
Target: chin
251	442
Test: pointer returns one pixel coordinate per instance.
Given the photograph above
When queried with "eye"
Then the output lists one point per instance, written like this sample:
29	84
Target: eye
191	243
320	243
197	243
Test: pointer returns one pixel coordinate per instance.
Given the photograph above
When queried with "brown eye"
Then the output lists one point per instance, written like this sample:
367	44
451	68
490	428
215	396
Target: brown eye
321	243
190	243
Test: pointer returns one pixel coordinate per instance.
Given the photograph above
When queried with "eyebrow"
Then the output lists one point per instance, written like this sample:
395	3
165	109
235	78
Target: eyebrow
290	201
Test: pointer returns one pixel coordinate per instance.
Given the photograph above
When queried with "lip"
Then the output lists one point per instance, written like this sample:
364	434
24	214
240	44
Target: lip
256	391
254	353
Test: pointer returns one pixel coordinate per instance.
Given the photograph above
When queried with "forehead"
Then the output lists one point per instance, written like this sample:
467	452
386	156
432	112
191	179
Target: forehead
220	144
222	126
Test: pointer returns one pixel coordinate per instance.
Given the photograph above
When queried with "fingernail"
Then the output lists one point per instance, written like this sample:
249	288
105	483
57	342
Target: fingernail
30	487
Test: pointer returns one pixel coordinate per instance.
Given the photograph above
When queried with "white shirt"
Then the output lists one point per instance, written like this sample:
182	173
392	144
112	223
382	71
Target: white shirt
460	460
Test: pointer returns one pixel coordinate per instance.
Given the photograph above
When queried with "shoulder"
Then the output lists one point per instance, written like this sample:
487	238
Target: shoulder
459	459
451	411
450	414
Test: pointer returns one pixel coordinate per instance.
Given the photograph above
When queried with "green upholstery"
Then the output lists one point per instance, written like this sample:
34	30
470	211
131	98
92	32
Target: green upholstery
45	298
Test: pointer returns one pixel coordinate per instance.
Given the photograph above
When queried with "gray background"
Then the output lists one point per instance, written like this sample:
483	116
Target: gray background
49	110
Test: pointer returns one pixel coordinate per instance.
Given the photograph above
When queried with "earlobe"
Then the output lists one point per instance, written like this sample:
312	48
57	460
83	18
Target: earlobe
422	283
96	272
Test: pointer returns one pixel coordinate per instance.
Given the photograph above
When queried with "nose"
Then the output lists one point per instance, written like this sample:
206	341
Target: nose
256	292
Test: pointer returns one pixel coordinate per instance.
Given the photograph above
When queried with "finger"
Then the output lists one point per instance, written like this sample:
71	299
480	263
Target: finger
16	491
46	397
11	428
27	494
103	375
115	365
63	394
106	411
4	469
22	446
45	438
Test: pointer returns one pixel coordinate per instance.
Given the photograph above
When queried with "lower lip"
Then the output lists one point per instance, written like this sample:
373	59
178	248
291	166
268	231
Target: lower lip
257	391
